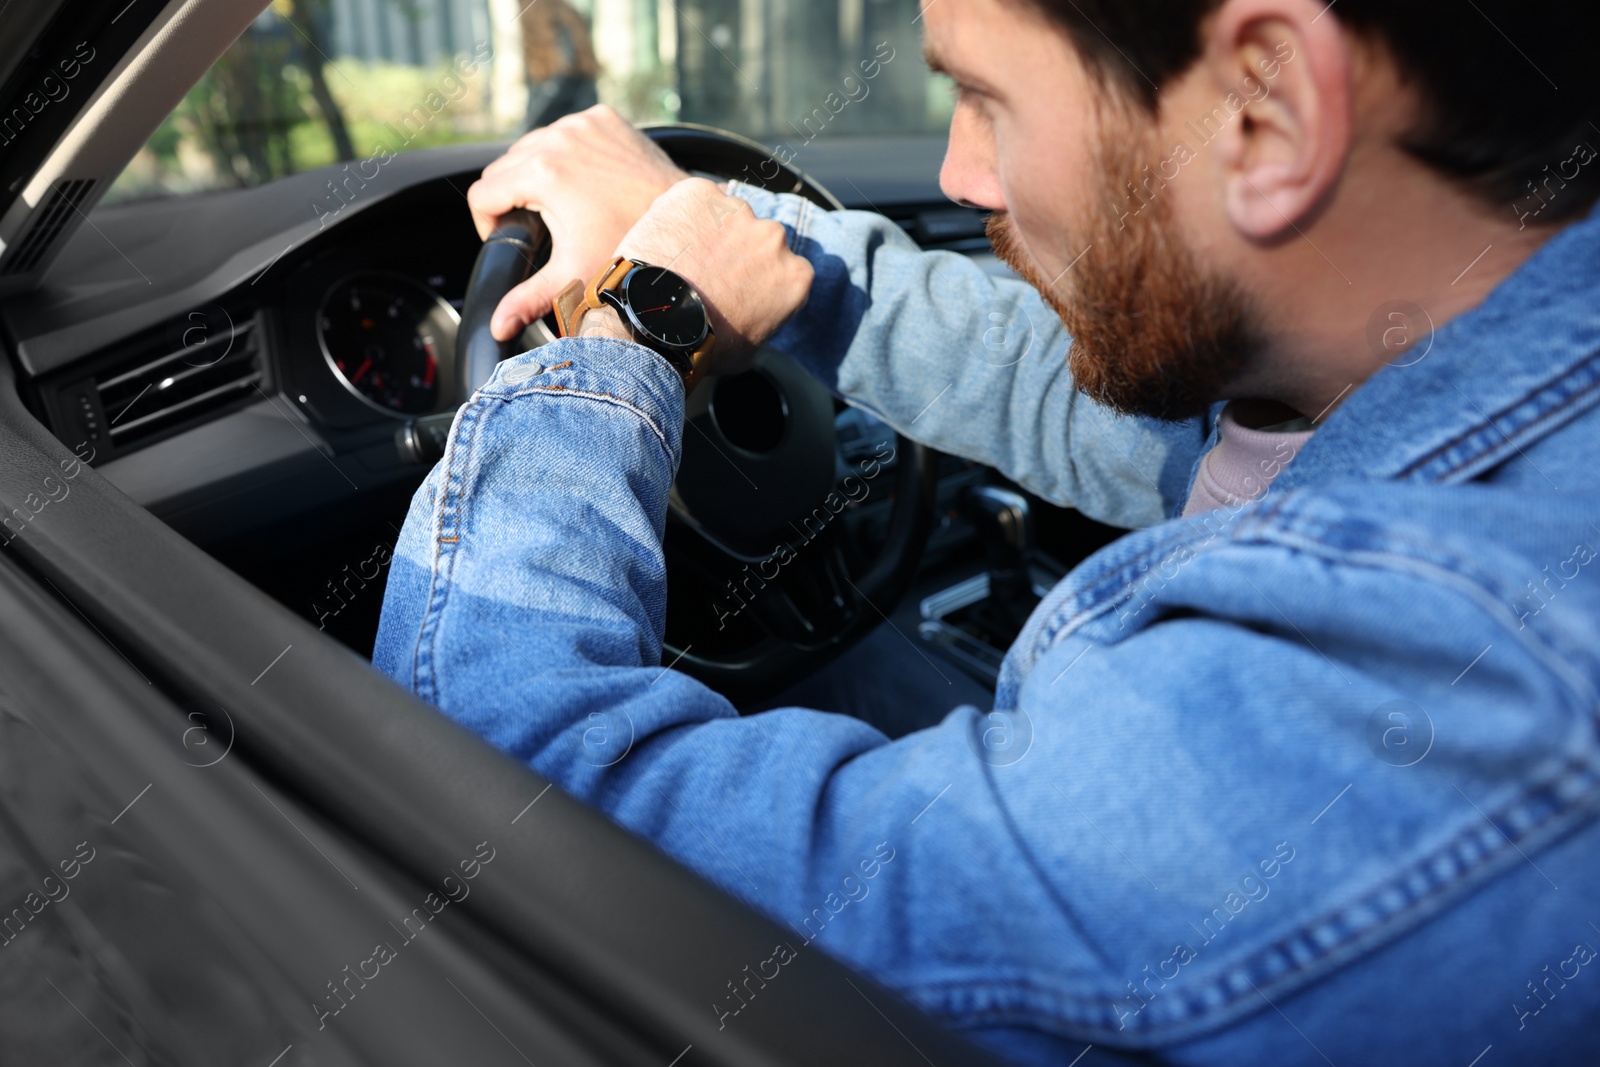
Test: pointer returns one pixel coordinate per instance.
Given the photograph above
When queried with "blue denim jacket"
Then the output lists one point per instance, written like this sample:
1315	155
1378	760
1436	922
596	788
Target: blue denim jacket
1311	779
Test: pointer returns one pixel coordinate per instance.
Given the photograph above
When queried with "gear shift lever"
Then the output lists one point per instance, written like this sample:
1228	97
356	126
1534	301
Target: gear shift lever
1005	524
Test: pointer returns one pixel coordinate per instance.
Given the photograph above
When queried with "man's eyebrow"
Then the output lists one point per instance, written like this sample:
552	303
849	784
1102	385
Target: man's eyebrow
939	64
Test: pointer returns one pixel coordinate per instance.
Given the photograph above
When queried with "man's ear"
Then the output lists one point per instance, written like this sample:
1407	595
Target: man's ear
1286	66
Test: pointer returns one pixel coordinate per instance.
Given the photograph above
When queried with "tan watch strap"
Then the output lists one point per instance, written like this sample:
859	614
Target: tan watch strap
577	299
570	308
698	359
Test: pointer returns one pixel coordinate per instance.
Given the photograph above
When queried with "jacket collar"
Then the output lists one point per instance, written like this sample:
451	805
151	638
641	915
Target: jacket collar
1497	378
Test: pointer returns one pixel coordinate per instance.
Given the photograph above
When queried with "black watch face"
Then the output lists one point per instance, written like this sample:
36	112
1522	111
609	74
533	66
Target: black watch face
665	307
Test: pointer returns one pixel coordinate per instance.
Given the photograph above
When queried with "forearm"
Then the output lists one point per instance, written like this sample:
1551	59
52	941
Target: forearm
970	363
533	549
526	600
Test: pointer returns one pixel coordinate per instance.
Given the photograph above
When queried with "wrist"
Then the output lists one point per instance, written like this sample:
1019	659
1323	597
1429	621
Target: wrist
607	322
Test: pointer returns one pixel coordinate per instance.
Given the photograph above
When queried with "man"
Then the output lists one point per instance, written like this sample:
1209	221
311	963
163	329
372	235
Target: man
1313	772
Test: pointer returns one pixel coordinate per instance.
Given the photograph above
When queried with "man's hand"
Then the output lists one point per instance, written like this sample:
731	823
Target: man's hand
590	175
741	265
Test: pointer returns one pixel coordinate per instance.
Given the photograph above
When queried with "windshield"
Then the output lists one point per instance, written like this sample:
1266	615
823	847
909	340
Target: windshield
315	82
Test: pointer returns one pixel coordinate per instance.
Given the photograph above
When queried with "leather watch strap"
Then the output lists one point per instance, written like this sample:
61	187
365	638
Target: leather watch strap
697	362
577	298
568	304
611	276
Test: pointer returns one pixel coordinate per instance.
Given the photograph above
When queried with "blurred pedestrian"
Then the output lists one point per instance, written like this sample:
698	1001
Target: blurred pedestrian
559	57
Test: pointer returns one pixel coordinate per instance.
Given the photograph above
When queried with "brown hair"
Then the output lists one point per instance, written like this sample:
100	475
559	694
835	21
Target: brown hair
1494	118
543	24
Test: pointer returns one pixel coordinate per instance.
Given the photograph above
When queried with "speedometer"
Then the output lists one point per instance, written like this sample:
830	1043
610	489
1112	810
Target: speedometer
389	340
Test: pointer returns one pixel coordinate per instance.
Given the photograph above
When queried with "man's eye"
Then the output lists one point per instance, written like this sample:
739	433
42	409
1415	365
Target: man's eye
974	101
964	94
959	93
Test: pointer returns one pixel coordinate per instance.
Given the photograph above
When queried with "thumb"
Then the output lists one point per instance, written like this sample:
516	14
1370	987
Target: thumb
526	302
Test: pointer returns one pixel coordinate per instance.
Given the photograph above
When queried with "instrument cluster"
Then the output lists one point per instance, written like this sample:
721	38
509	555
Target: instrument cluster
389	340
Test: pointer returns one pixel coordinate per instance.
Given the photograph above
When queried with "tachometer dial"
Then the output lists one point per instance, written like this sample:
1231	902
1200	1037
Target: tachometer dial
390	340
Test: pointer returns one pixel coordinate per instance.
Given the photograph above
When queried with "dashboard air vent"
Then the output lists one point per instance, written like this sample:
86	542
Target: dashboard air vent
159	387
46	224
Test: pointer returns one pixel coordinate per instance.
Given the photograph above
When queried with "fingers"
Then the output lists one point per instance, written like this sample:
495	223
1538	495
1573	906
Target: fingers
487	202
530	300
599	131
490	197
599	168
591	175
599	117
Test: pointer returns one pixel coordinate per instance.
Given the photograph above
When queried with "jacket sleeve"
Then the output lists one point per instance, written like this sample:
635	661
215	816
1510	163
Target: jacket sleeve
1091	862
969	362
526	600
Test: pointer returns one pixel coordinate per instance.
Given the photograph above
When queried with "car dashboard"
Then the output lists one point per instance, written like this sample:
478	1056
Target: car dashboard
280	396
239	363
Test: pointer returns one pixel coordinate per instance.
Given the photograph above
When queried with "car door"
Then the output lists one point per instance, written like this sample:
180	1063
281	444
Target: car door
289	850
275	851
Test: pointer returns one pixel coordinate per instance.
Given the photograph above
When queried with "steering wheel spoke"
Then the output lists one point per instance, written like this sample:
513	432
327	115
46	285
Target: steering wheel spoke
812	600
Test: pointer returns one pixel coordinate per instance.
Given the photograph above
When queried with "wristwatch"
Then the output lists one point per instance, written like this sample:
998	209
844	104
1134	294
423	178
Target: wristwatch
659	308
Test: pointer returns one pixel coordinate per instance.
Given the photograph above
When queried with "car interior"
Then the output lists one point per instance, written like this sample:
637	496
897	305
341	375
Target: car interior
247	423
255	380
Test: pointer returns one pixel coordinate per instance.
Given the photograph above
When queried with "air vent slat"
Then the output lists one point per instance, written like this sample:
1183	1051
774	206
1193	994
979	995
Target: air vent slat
144	421
169	388
47	224
151	388
191	352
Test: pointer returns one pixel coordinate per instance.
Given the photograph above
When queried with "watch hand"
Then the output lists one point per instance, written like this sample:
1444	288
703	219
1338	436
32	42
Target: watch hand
647	311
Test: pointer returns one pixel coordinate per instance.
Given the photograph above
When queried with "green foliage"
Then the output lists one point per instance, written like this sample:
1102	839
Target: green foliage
253	118
243	109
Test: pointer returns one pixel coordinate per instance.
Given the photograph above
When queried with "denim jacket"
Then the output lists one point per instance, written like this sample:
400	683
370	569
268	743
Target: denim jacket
1313	779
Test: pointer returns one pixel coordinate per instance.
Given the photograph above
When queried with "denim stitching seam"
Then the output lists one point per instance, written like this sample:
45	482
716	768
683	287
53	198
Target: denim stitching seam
1549	399
558	391
456	463
1291	961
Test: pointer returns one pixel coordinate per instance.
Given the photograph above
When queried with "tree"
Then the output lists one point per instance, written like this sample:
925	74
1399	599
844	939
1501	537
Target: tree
243	109
308	17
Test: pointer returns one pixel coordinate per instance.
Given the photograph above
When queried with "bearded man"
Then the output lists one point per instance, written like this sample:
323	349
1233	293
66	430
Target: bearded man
1314	768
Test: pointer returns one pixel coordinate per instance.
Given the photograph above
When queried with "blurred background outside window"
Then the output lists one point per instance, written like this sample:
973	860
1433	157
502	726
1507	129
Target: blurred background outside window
315	82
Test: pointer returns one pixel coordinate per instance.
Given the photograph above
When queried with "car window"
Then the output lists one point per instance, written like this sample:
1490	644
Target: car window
314	82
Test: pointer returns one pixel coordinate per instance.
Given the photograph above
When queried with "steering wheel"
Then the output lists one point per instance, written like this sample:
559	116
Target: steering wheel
769	573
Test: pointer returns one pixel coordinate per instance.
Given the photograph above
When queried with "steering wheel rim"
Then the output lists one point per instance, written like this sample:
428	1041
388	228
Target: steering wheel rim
853	599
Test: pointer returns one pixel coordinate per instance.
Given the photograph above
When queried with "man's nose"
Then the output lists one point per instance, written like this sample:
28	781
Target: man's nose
969	175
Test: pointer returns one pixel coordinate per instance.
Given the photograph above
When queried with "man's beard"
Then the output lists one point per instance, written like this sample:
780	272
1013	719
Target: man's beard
1152	332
